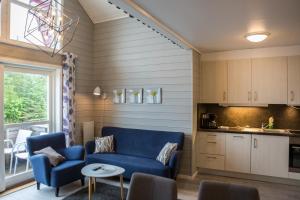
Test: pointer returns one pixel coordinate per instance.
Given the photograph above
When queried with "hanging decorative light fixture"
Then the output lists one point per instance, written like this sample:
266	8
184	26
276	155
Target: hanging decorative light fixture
50	25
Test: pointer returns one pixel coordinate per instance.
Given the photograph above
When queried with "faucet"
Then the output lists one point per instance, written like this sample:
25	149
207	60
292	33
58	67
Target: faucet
264	125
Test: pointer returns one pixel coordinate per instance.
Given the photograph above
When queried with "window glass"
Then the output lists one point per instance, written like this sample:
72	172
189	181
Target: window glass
18	17
25	97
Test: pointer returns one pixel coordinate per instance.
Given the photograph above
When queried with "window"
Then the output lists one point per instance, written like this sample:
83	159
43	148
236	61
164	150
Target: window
14	27
31	107
25	97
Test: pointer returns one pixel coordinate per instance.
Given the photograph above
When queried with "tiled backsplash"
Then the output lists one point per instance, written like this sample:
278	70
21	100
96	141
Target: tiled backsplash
285	117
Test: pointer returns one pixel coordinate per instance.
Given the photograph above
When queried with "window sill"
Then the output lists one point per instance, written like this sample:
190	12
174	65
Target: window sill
26	45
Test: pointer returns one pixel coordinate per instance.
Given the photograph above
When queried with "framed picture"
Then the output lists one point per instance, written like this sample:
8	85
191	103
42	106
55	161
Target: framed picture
134	96
153	96
119	96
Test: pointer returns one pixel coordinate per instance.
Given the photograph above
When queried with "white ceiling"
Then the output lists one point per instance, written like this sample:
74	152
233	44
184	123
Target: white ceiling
101	11
212	25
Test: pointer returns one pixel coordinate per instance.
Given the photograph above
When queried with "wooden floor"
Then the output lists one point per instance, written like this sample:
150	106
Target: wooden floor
187	189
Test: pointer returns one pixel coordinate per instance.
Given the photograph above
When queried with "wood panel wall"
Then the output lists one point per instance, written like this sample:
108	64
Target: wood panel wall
127	54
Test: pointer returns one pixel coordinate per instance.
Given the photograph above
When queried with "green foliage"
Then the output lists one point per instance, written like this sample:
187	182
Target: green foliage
25	97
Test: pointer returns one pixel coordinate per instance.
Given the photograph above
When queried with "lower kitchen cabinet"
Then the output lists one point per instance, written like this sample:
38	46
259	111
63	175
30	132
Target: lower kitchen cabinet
244	153
270	155
238	152
211	161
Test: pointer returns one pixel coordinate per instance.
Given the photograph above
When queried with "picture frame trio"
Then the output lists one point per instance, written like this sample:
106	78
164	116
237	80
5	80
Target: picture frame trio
137	96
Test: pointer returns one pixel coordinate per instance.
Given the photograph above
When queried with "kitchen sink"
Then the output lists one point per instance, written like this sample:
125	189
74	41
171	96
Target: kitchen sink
276	131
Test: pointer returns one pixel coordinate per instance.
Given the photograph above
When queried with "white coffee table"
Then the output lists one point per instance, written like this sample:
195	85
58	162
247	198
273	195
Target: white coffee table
100	170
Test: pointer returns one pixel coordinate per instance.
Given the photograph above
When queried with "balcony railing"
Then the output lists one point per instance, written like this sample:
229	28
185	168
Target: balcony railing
15	149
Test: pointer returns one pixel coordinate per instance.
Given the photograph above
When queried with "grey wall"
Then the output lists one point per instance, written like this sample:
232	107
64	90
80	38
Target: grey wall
82	45
127	54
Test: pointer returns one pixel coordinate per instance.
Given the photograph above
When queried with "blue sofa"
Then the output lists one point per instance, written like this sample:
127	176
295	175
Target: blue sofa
64	173
136	151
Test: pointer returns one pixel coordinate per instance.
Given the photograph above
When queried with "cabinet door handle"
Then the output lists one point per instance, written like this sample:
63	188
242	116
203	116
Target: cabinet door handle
249	96
212	142
238	136
224	96
292	95
211	157
255	96
255	143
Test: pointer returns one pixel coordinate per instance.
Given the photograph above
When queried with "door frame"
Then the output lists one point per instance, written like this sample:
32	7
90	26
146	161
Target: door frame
55	118
2	155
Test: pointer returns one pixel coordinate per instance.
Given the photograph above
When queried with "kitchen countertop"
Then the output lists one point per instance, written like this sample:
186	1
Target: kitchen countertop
257	131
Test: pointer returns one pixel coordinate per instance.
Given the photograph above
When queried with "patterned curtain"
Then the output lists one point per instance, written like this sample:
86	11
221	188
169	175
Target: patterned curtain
69	61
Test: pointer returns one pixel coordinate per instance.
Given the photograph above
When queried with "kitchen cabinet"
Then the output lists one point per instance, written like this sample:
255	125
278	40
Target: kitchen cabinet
238	152
270	155
213	75
269	80
239	81
211	150
294	80
211	161
212	143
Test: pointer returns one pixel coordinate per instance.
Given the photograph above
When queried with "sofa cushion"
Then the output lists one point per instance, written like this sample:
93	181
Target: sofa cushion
131	164
104	144
66	172
142	143
166	152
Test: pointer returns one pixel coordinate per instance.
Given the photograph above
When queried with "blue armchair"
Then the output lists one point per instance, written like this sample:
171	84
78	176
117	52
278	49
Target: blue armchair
62	174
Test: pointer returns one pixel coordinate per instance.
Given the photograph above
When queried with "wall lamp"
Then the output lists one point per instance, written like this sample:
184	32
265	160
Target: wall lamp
98	92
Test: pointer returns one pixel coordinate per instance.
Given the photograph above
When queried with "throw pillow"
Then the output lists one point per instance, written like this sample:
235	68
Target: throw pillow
104	144
54	157
166	152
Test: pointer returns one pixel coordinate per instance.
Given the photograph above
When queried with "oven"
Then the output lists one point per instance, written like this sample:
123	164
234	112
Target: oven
294	154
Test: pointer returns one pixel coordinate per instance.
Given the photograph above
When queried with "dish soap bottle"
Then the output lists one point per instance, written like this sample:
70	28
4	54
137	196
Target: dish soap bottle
271	122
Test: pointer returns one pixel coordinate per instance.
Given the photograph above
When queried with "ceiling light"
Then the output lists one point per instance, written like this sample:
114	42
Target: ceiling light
257	37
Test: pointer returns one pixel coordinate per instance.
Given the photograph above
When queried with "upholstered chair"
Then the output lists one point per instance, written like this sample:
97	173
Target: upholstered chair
62	174
209	190
150	187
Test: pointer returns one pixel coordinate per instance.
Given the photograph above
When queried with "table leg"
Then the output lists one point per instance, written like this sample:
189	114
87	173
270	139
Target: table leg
122	189
94	184
90	187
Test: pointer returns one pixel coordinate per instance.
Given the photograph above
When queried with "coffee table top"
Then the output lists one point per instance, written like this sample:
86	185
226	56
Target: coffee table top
99	170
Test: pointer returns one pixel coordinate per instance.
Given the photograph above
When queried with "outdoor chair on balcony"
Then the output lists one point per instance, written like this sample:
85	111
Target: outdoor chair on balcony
17	148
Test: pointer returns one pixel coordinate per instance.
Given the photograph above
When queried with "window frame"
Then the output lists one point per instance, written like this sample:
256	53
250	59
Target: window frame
56	73
5	27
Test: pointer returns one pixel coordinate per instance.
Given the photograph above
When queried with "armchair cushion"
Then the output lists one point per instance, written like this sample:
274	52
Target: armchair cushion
73	153
54	157
66	172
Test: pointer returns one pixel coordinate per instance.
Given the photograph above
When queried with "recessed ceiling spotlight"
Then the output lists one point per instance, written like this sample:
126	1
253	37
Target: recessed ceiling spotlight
257	37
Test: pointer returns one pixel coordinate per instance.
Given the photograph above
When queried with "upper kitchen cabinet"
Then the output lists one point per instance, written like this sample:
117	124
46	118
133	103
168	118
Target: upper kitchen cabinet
239	81
213	82
294	80
269	80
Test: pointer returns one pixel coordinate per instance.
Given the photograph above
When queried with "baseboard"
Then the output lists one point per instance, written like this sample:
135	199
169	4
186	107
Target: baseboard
249	177
188	177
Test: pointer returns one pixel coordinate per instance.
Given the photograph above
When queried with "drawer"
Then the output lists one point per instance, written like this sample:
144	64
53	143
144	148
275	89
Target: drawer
211	161
211	143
